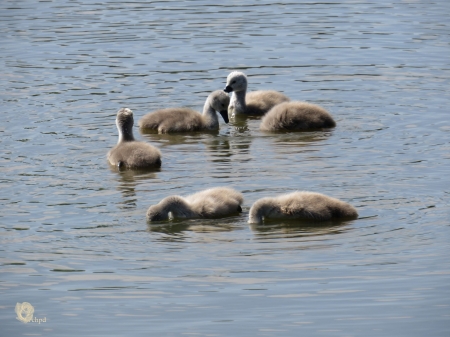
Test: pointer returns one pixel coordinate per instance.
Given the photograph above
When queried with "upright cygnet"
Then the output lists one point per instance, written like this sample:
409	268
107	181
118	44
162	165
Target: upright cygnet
255	103
188	120
296	116
129	153
301	205
212	203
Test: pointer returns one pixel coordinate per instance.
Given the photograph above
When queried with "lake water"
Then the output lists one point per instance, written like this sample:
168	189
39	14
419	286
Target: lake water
74	240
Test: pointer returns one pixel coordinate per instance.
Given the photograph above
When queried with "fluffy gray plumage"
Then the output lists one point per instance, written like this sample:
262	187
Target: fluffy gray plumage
296	116
188	120
212	203
301	205
129	153
255	103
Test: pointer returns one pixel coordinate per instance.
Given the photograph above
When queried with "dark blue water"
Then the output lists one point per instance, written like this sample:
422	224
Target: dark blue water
74	240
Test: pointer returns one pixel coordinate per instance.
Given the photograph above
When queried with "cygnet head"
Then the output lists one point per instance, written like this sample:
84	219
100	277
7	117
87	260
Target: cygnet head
155	213
236	81
124	123
170	207
160	211
219	101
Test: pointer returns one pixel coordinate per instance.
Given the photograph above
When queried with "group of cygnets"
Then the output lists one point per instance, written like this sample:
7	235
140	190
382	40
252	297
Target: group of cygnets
279	114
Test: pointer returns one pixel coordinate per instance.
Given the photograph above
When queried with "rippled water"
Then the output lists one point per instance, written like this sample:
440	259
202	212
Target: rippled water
74	240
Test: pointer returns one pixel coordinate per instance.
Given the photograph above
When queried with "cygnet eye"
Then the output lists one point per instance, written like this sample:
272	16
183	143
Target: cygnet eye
233	82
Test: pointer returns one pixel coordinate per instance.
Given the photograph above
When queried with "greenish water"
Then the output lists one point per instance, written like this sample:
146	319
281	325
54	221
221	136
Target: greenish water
74	240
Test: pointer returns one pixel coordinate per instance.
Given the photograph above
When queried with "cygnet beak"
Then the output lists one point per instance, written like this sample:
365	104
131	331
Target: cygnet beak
228	89
224	115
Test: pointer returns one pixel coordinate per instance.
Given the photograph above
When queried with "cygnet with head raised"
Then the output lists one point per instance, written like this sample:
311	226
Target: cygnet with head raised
296	116
255	103
172	120
301	205
129	153
211	203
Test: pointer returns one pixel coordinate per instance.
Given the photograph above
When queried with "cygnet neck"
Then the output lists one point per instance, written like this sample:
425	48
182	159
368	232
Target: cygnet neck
238	101
209	115
256	216
125	132
177	206
261	209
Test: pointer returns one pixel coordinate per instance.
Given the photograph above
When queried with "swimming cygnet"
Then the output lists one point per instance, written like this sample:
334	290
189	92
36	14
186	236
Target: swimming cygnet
255	103
129	153
301	205
188	120
296	116
212	203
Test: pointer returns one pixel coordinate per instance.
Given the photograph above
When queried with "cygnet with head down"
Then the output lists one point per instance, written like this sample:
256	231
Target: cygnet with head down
211	203
301	205
255	103
172	120
296	116
129	153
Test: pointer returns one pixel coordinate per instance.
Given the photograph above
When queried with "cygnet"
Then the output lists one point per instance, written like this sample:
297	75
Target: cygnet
129	153
171	120
301	205
255	103
296	116
211	203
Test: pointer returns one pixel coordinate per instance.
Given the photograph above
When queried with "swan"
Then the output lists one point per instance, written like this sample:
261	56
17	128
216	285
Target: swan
129	153
296	116
188	120
255	103
301	205
211	203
